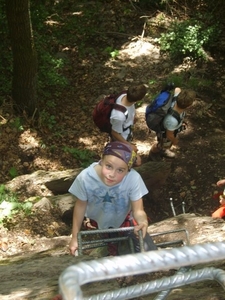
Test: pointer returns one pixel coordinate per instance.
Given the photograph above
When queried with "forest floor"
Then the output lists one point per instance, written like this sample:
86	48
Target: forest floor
200	155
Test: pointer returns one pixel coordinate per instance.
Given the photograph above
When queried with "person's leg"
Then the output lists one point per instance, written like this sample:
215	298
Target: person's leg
154	153
165	149
161	148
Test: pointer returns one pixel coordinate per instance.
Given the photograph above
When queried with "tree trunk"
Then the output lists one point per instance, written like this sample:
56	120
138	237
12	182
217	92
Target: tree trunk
24	82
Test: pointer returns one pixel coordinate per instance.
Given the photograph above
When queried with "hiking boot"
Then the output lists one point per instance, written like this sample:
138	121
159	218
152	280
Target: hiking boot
154	156
167	153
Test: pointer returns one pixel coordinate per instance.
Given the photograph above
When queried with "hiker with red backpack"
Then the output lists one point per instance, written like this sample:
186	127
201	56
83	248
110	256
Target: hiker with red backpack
107	193
115	114
170	122
122	127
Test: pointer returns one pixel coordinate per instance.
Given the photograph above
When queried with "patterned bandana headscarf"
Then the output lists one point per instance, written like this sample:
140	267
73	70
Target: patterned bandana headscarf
122	151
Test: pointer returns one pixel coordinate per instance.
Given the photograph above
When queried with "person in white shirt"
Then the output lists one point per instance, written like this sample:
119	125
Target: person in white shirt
122	126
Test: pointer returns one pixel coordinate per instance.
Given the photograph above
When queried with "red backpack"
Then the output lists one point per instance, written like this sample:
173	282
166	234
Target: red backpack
102	111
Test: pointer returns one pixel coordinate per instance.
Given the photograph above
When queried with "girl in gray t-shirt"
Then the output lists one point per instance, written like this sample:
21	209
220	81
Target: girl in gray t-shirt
109	191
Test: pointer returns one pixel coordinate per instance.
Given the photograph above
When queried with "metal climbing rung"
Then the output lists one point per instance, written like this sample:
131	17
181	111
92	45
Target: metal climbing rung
170	244
174	242
84	244
90	244
73	277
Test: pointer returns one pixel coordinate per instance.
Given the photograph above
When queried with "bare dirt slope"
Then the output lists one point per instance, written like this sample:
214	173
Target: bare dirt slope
34	273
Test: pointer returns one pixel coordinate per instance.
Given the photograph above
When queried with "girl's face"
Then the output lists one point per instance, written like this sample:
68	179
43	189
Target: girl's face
113	170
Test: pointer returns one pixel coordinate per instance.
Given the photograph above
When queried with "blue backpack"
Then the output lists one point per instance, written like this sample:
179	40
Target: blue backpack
159	108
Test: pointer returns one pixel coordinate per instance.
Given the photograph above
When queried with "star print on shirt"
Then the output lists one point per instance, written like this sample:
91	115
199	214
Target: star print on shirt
107	198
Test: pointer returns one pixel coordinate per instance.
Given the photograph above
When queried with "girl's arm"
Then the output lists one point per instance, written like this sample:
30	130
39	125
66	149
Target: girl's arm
78	216
139	216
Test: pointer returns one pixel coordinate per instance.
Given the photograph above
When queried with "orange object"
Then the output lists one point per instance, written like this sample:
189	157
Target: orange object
219	213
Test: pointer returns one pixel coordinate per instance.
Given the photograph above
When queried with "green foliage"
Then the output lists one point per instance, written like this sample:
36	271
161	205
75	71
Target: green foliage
13	172
139	103
195	82
85	156
152	81
46	119
50	74
10	205
112	52
192	83
188	38
59	33
17	124
177	79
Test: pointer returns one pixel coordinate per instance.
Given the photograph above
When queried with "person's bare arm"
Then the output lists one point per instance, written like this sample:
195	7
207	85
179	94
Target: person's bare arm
221	182
118	137
140	216
177	91
78	216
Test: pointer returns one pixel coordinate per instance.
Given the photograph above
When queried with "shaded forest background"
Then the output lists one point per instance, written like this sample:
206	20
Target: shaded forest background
82	53
86	49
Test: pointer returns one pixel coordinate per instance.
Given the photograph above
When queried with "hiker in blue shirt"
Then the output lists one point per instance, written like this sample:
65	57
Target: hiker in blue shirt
109	193
122	127
167	135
